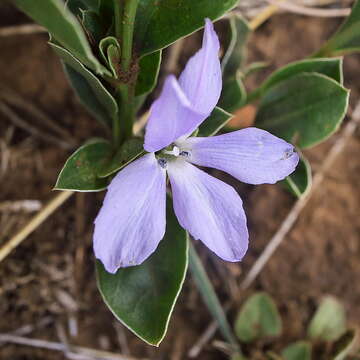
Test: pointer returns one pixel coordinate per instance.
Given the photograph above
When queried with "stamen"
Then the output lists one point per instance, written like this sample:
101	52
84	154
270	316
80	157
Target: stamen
175	151
163	163
185	153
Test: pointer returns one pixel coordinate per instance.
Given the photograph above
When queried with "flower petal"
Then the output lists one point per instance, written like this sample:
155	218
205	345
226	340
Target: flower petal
184	105
131	222
251	155
201	79
209	209
171	116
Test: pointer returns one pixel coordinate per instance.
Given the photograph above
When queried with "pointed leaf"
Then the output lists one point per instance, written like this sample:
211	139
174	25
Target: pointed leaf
258	318
64	27
235	55
344	345
326	66
329	321
300	350
346	40
148	73
93	26
129	151
299	182
214	123
161	22
143	297
80	170
304	109
92	93
110	51
233	95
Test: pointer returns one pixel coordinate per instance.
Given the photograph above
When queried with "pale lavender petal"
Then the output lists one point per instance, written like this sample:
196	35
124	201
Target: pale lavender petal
171	117
251	155
131	222
209	210
184	105
201	79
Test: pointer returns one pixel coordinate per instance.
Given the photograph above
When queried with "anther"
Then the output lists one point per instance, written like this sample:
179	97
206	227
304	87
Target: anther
163	163
185	153
288	153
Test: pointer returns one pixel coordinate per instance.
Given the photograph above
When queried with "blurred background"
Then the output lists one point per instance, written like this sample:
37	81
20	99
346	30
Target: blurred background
47	284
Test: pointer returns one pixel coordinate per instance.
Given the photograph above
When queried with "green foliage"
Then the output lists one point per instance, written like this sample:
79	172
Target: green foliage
149	71
129	151
233	95
161	22
80	170
346	40
258	318
143	297
90	90
214	123
299	182
64	27
344	345
110	51
329	321
304	109
300	350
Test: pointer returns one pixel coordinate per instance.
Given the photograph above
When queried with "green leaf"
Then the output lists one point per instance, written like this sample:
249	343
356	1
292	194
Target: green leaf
233	95
92	93
76	6
346	40
129	151
214	123
143	297
300	350
329	321
258	318
235	55
253	68
80	170
93	25
304	109
148	74
161	22
299	182
329	67
344	345
64	27
111	52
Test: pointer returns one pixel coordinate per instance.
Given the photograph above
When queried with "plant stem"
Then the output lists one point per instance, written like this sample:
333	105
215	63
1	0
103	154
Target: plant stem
125	91
210	298
118	14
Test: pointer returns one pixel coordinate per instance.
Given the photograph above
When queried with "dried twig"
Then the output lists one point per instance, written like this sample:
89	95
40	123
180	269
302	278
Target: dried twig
22	30
20	205
70	351
288	223
308	11
38	219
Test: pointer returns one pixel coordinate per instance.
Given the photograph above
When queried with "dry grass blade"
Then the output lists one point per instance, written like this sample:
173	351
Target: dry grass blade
26	29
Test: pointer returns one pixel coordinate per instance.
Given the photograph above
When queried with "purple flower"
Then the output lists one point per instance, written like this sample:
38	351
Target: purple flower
132	221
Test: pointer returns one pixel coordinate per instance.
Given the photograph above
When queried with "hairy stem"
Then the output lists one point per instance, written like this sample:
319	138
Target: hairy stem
210	298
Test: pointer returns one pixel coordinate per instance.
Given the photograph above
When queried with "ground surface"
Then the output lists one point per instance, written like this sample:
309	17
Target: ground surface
51	274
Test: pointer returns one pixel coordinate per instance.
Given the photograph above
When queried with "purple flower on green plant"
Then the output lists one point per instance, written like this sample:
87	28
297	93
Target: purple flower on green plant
132	220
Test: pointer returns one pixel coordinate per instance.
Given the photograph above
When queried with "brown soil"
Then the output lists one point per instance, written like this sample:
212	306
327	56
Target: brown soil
51	275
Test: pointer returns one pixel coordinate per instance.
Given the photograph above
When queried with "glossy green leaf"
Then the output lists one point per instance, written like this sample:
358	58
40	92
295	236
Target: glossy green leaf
300	350
92	93
110	51
93	26
304	109
129	151
329	321
299	182
258	318
149	67
143	297
346	40
64	27
161	22
214	123
235	54
80	170
343	346
329	67
233	94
